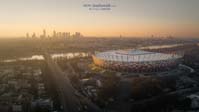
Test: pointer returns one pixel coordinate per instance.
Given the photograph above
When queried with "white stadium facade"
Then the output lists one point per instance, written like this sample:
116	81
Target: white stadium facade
135	60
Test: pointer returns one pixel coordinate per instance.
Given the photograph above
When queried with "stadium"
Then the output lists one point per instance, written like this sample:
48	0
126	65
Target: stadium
137	61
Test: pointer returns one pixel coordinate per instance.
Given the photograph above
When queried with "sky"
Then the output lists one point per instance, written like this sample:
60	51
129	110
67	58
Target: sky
130	18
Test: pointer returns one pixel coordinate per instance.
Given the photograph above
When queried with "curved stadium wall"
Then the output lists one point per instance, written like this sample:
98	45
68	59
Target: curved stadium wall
136	60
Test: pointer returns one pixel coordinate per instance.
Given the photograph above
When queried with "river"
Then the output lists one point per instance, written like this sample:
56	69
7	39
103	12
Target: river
79	54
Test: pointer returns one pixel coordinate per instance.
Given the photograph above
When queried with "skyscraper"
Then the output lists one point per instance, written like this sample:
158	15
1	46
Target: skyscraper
33	35
77	35
27	35
44	33
54	34
67	34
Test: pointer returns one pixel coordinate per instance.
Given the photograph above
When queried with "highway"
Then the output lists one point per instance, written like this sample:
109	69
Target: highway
69	97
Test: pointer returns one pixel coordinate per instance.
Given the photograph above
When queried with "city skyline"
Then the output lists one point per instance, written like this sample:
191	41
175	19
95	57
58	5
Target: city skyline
53	34
129	18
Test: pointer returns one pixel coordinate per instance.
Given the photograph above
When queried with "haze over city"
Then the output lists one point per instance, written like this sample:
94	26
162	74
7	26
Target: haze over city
99	56
130	18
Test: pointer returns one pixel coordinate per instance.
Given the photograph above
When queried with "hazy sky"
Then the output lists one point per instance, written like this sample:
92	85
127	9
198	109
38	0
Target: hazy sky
179	18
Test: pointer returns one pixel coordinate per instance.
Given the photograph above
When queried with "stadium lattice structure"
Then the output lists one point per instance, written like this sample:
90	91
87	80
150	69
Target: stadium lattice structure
136	60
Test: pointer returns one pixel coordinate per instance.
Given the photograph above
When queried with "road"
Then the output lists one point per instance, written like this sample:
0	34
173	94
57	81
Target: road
69	97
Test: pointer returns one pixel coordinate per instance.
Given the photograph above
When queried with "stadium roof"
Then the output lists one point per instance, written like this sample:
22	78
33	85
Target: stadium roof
135	55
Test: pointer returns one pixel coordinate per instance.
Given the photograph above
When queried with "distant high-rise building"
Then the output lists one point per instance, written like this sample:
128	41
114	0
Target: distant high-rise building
33	35
59	34
64	35
27	35
44	33
67	34
54	34
77	35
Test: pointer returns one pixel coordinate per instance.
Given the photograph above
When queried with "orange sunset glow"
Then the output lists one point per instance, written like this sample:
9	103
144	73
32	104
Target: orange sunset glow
130	18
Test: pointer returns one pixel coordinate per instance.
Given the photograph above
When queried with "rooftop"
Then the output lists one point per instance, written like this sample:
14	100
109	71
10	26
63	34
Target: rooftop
134	55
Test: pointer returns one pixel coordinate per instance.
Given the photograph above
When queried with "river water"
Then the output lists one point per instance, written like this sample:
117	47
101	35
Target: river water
54	56
79	54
